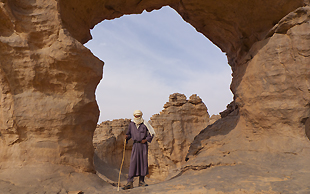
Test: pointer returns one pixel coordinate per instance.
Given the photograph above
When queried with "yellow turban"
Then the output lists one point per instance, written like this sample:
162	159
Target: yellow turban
137	112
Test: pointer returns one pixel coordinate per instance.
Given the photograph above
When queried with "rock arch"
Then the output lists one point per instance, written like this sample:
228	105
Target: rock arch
53	77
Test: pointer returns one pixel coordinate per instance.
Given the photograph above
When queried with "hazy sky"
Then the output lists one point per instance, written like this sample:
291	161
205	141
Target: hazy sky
152	55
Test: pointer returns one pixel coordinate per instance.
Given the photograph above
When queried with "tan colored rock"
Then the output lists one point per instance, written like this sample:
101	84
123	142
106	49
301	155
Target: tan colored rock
214	118
48	79
43	64
231	107
108	141
48	111
176	126
268	124
273	93
176	100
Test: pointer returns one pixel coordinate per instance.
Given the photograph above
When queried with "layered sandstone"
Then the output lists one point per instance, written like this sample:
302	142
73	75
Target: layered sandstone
265	129
48	81
175	126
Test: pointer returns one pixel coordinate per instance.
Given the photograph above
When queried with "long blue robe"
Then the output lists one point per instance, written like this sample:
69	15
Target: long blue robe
139	153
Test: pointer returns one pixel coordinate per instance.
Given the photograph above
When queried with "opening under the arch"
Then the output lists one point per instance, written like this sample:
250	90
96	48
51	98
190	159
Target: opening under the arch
152	55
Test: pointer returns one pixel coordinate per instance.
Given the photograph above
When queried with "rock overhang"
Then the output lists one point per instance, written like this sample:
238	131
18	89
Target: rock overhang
234	26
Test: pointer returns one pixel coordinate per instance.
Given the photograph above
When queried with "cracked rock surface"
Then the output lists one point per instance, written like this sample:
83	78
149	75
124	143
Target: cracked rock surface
48	110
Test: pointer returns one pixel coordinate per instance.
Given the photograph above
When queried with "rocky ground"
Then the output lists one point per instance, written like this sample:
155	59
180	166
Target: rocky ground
237	165
226	159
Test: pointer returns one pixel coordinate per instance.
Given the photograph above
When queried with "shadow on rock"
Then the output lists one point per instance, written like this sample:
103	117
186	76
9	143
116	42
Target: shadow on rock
108	172
221	127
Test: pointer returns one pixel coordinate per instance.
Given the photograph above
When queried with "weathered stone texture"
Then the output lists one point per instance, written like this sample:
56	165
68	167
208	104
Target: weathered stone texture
176	126
273	92
48	111
108	141
48	80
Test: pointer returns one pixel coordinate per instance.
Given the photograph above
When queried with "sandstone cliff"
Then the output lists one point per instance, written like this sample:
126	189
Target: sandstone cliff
175	126
49	113
48	79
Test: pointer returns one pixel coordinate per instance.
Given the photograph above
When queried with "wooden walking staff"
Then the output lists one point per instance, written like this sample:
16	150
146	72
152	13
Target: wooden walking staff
120	170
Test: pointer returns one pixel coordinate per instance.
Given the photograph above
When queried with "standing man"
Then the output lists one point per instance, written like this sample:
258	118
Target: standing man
141	132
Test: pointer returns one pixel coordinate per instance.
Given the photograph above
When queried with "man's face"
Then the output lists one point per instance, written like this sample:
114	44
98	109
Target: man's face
137	116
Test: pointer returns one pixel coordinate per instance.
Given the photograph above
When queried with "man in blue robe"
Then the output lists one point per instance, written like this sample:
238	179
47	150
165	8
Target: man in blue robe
141	135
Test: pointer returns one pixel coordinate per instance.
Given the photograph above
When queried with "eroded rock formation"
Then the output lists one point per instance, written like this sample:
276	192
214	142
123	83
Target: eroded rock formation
268	82
48	80
109	145
175	126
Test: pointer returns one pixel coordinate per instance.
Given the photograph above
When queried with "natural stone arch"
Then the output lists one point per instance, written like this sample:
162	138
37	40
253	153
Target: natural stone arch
232	26
51	68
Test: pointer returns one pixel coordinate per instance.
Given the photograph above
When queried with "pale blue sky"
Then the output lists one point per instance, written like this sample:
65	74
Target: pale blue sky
152	55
